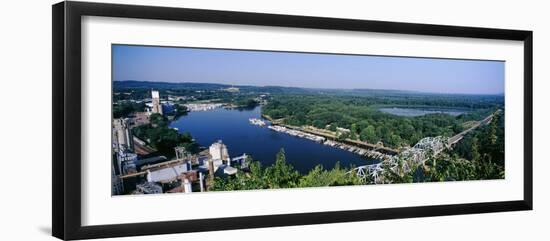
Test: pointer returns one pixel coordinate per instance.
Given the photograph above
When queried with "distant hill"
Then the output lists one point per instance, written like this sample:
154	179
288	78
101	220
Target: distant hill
134	84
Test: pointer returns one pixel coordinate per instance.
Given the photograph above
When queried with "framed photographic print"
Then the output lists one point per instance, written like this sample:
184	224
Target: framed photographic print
169	120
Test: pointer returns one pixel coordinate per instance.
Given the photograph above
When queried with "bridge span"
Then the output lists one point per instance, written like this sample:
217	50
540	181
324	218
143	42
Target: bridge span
419	153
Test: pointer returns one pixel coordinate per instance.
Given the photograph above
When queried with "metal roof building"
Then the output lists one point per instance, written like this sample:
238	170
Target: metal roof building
168	174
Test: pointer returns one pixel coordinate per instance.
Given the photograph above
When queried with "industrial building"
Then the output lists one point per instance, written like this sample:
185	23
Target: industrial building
126	161
122	134
184	174
157	106
116	183
140	118
218	151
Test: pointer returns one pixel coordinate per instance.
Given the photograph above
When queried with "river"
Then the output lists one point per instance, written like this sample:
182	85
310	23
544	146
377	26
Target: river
233	128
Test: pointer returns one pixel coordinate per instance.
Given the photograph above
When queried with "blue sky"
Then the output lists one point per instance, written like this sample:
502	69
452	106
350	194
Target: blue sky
264	68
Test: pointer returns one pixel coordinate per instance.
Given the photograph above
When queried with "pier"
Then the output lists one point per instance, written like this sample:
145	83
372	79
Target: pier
326	135
375	152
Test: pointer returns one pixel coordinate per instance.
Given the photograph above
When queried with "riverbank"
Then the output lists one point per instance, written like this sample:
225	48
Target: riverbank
202	106
332	136
300	132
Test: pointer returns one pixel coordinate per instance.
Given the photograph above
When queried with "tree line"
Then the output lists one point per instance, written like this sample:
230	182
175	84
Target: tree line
283	175
163	138
479	156
366	123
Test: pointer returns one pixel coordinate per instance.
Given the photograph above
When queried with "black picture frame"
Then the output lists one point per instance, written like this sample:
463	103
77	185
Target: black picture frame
66	127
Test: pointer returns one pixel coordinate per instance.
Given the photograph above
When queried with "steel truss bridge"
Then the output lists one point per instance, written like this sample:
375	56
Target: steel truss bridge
418	154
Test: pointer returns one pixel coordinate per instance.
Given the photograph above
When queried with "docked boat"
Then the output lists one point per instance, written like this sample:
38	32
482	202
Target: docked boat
256	121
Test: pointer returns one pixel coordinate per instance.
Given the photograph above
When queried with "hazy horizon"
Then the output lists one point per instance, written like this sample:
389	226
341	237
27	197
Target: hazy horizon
306	70
310	88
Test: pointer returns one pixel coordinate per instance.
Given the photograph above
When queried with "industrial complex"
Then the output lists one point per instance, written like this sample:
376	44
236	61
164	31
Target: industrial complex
136	169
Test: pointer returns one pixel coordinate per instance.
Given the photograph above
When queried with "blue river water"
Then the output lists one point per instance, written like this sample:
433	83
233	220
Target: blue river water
233	128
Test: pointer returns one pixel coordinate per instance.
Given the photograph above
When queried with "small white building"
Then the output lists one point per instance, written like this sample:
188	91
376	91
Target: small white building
342	130
229	170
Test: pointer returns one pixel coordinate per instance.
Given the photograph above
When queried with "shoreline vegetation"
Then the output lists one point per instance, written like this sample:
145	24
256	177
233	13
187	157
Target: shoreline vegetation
353	117
351	122
451	166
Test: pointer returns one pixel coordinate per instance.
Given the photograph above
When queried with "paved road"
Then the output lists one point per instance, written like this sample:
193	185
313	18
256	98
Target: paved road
453	140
